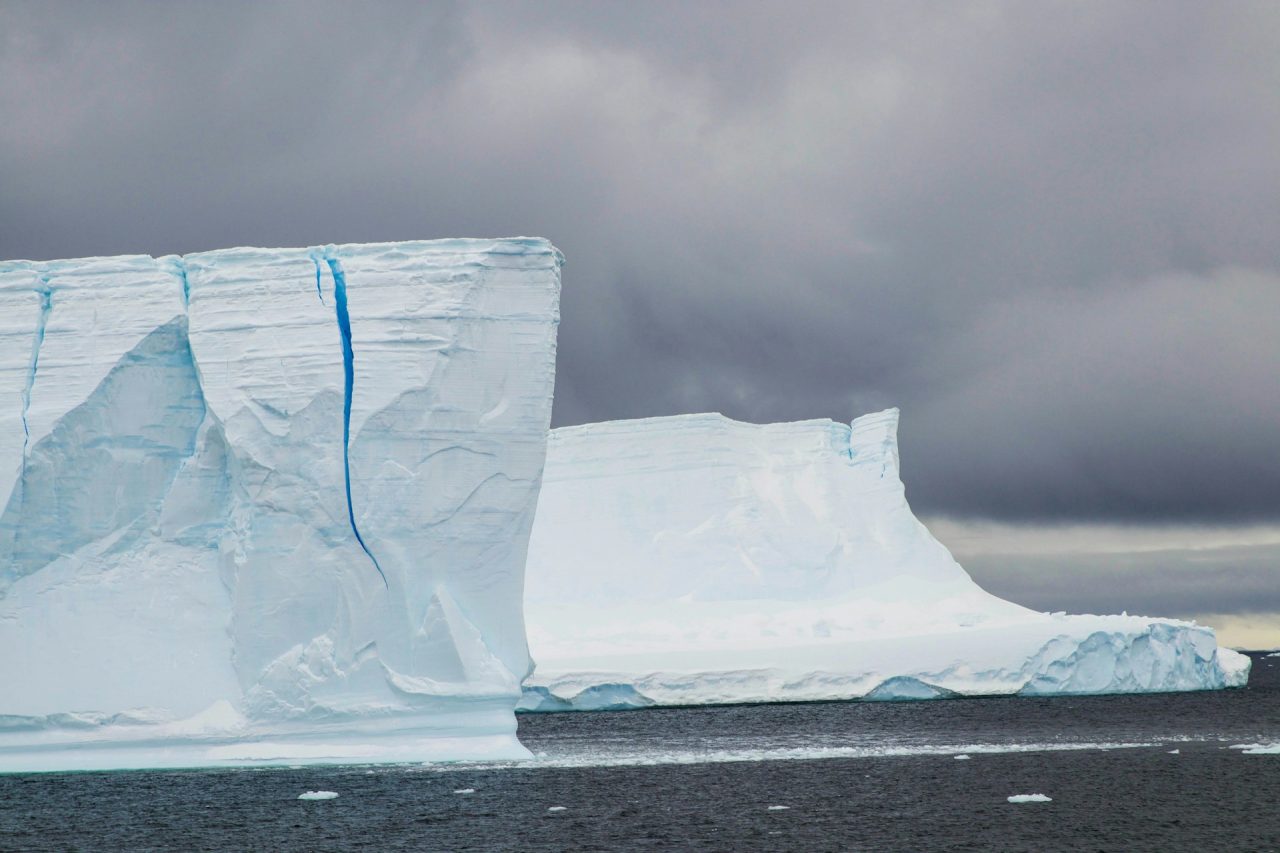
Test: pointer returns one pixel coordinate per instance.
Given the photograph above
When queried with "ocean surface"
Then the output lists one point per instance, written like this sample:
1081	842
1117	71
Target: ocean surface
1125	773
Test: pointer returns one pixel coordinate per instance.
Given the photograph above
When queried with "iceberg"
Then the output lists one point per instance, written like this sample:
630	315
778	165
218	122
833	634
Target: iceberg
698	560
270	505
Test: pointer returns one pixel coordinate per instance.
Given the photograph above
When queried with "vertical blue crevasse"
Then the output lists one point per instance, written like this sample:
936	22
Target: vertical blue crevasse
45	291
349	376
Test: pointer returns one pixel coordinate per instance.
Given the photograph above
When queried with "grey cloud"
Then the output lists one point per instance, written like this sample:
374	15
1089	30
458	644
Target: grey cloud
1186	584
1047	231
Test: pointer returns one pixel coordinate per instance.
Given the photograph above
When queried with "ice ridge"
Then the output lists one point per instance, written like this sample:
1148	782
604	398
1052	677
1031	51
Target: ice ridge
45	292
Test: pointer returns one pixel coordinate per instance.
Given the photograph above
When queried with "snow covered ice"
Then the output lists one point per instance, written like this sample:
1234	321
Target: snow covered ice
318	795
695	559
270	505
1030	798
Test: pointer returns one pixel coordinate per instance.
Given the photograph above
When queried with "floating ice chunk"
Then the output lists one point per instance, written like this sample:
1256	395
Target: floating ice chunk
1030	798
903	688
319	795
961	757
1175	752
779	808
557	808
465	791
1258	748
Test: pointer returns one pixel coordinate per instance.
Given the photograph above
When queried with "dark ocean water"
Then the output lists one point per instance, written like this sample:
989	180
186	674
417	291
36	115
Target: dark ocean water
853	776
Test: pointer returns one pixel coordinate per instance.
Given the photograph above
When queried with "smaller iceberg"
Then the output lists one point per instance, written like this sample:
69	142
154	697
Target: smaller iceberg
318	795
697	560
1030	798
904	688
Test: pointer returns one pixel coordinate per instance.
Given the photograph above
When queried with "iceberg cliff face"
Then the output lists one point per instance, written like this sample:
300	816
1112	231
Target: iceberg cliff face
695	559
270	505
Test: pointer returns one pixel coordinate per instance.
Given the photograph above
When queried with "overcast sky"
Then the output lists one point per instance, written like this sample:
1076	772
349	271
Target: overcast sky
1050	233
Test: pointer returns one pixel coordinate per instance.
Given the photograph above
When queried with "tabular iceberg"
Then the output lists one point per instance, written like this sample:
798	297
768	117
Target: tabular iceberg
695	559
270	505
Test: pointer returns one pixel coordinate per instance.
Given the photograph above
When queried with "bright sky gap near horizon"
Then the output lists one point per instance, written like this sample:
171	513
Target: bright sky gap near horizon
1046	231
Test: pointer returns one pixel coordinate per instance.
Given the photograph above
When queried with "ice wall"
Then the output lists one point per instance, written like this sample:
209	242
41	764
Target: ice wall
270	505
696	559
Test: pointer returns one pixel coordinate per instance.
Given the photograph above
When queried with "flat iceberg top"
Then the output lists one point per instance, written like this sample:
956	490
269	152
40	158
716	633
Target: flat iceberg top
711	439
695	559
491	248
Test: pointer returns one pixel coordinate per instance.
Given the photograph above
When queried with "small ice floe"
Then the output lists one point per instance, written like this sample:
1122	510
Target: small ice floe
465	791
1258	748
318	795
779	808
1175	752
961	757
1030	798
557	808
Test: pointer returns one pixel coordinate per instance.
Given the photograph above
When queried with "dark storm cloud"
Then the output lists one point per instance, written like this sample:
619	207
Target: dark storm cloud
1047	231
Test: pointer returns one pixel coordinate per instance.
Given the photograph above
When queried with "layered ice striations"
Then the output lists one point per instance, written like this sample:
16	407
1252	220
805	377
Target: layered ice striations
199	459
696	559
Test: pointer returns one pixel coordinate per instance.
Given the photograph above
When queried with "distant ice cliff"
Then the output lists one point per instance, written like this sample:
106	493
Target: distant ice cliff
695	559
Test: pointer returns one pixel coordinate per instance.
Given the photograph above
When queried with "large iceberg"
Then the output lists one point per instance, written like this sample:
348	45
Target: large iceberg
270	505
696	559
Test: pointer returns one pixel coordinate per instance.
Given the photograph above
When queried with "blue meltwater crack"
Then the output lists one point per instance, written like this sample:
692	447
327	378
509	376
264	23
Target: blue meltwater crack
349	375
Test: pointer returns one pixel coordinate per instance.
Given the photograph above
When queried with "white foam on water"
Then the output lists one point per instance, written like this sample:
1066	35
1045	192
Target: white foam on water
729	756
779	808
557	808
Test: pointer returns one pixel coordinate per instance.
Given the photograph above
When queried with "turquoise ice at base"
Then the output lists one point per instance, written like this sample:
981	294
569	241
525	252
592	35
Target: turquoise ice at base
200	458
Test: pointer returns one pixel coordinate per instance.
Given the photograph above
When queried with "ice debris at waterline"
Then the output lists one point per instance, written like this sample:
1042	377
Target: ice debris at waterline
270	505
695	559
1258	748
1029	798
318	795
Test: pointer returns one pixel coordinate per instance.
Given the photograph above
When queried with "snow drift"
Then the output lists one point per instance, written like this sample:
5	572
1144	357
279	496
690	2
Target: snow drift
695	559
270	505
